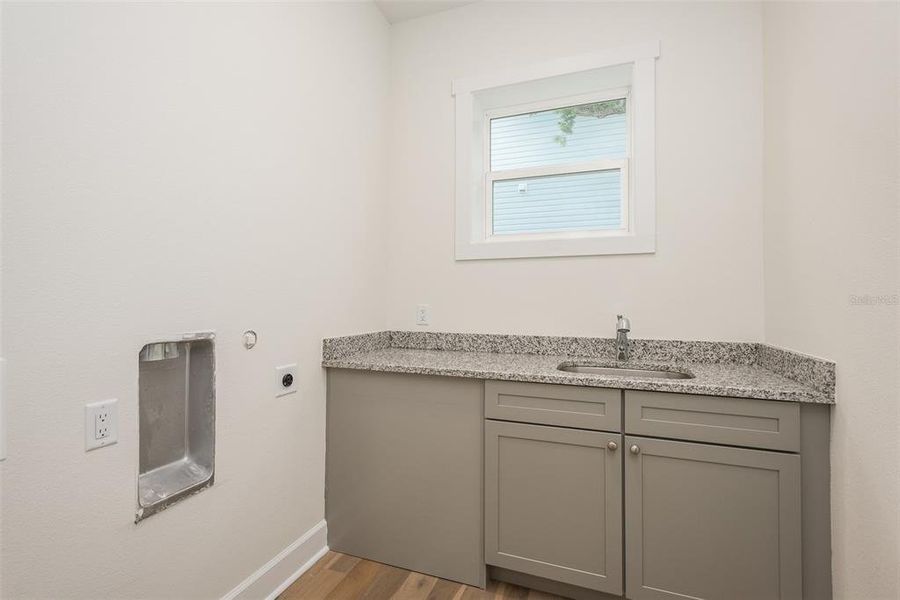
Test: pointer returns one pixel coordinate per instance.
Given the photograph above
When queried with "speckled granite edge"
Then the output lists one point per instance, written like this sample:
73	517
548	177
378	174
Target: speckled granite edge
341	347
681	386
743	353
814	372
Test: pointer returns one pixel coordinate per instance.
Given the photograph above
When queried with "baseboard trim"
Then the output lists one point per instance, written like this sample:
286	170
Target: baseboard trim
268	581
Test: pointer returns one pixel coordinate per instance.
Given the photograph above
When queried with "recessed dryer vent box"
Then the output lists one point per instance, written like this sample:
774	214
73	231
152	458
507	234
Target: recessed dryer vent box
177	415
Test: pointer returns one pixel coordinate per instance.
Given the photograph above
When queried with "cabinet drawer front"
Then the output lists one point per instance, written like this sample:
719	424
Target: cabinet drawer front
547	404
553	503
733	421
711	522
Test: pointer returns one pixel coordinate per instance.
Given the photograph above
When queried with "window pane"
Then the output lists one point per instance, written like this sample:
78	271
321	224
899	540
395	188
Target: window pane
566	135
571	202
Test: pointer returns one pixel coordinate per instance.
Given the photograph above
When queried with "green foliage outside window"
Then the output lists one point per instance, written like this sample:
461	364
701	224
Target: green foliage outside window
595	109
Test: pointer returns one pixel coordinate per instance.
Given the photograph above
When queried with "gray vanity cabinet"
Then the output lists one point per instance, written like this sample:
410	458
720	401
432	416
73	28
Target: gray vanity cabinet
582	492
553	503
711	522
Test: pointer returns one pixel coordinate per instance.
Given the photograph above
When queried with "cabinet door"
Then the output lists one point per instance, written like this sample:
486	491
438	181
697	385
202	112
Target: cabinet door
553	503
403	482
711	522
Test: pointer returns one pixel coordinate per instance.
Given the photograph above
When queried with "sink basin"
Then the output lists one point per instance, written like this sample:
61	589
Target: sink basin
624	372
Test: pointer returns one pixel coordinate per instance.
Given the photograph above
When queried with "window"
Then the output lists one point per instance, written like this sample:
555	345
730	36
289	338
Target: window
559	169
547	159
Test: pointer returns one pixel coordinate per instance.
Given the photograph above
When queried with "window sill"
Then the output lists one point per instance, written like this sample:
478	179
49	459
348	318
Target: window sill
545	248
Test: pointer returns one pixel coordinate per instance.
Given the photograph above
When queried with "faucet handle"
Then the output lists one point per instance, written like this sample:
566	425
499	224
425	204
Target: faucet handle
622	323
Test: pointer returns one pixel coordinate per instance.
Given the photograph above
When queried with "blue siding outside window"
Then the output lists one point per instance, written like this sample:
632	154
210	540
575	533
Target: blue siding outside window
589	200
555	203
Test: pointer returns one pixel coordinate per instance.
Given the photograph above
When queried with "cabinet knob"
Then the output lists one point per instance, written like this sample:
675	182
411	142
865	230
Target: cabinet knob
612	446
635	449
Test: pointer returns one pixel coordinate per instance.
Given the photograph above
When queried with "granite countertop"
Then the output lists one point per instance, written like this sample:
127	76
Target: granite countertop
744	370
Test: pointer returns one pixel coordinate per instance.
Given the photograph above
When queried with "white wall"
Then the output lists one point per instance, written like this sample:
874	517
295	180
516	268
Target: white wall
705	280
831	232
169	168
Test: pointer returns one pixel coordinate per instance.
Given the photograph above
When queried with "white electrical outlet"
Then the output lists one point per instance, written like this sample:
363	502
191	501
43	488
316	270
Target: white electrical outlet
101	424
423	315
285	380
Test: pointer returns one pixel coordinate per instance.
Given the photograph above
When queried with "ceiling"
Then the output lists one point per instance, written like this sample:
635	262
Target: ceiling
403	10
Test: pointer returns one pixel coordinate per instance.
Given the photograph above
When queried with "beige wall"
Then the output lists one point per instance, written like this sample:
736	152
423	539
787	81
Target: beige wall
830	205
831	232
169	168
179	167
705	280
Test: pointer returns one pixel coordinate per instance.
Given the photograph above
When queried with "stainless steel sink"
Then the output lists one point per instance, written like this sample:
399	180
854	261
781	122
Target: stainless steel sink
625	372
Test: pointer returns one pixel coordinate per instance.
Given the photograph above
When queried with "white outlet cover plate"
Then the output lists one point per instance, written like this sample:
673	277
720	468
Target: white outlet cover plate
281	372
423	315
96	411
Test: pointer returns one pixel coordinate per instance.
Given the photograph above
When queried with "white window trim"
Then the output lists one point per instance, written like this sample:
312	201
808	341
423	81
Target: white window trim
474	237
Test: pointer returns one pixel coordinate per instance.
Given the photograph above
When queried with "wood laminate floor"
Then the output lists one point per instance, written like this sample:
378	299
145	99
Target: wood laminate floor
343	577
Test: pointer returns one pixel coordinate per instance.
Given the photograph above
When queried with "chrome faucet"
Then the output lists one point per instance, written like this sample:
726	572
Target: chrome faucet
623	326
